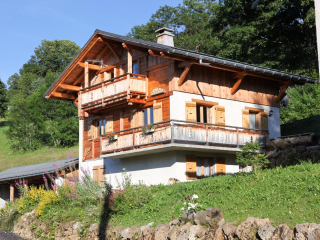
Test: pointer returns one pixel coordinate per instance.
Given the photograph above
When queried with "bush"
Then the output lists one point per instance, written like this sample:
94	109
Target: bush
250	156
30	200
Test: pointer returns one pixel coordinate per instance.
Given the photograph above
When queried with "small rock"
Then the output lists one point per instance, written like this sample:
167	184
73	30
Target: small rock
195	232
94	229
283	232
183	232
162	231
76	225
125	233
266	232
143	228
229	231
307	231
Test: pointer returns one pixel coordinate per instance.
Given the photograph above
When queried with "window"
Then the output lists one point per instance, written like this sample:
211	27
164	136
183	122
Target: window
148	116
135	67
254	118
200	167
205	112
103	126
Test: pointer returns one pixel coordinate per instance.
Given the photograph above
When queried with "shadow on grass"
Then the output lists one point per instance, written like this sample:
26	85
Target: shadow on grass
3	123
105	213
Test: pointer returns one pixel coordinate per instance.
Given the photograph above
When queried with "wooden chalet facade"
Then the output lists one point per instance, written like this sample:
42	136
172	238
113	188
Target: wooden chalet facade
203	108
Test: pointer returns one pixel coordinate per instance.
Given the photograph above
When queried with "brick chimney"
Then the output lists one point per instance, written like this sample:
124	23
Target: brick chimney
165	36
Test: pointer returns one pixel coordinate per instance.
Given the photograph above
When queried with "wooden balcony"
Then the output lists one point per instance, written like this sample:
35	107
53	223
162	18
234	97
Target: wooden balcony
182	133
127	87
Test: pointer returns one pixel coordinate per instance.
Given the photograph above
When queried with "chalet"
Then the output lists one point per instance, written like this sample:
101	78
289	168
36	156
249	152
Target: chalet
163	112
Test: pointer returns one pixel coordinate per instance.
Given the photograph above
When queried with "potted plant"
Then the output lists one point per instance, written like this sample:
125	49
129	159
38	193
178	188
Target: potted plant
148	129
112	137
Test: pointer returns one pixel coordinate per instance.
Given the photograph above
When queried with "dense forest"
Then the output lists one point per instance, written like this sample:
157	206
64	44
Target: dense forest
279	34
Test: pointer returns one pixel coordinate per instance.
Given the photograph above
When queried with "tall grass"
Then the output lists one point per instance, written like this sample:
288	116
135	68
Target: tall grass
10	158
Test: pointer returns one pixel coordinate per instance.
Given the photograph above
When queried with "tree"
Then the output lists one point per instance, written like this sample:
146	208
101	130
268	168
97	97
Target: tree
50	55
3	99
304	102
278	34
250	156
33	120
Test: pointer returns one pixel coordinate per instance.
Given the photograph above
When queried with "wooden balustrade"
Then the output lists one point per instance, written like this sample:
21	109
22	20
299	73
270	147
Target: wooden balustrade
185	133
113	87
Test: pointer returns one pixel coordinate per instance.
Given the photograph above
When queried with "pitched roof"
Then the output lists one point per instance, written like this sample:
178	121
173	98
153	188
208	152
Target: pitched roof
197	56
35	169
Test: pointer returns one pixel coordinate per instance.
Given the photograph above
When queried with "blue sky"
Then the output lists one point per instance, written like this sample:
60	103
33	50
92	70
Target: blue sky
24	23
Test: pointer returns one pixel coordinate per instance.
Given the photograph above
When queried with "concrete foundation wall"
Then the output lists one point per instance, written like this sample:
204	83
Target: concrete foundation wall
155	168
233	110
4	194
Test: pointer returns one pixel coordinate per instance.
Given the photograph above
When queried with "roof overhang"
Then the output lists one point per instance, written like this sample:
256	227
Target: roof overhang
65	86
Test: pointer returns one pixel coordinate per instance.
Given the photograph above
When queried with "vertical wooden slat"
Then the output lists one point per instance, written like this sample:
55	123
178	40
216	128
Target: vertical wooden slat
121	120
220	115
109	124
201	114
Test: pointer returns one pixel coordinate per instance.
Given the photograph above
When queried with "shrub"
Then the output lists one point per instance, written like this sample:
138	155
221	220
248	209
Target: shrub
30	200
250	156
49	197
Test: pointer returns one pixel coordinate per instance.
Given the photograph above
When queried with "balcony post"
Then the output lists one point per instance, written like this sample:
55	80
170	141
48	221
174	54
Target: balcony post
129	71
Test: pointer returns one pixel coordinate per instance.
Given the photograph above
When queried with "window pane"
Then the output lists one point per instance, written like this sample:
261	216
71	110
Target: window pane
145	117
205	115
151	115
198	113
199	167
104	127
206	167
252	120
135	68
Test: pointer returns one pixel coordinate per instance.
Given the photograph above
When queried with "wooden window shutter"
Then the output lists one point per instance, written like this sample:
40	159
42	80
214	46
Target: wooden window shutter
98	174
220	115
157	112
191	164
262	121
89	129
245	118
221	166
109	124
191	111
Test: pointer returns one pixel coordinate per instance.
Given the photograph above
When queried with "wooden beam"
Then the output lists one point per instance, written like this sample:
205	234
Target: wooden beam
111	67
86	75
157	66
239	76
64	95
90	66
184	74
112	50
129	63
183	64
70	87
124	45
283	91
204	103
11	192
152	53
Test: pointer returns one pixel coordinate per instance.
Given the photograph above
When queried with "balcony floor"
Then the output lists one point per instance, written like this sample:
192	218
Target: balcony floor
171	147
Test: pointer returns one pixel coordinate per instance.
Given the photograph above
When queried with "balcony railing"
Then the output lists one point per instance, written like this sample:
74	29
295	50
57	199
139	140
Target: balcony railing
174	131
120	86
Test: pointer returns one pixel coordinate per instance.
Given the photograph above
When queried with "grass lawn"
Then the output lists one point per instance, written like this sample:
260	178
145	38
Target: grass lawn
284	195
10	158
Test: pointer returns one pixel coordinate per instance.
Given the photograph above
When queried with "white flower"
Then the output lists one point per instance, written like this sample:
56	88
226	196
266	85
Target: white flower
189	208
182	209
195	196
185	203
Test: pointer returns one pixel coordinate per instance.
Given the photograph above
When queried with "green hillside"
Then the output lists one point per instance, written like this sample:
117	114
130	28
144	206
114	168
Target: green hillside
9	158
284	195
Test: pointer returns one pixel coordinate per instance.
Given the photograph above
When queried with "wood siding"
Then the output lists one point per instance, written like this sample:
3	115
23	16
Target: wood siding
218	83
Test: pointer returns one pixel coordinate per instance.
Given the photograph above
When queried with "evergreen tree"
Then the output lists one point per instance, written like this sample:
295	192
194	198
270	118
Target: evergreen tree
3	99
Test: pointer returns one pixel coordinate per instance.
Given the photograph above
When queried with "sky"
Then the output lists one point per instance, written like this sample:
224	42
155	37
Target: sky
25	23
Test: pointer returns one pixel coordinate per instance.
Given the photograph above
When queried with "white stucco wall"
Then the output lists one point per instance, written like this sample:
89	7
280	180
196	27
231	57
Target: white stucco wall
155	168
4	194
233	110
